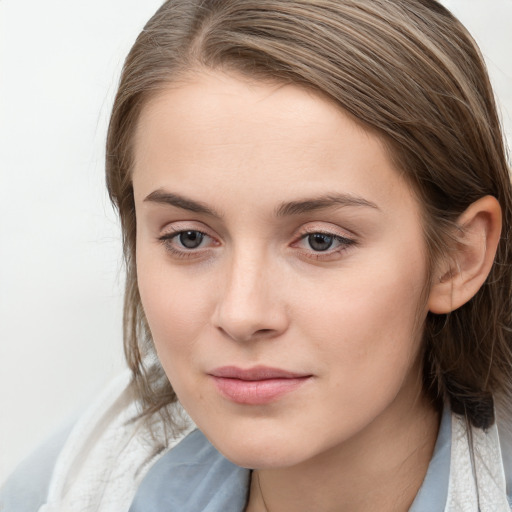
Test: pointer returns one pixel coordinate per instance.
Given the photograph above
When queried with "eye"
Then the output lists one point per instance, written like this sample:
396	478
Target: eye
187	243
322	245
190	239
320	241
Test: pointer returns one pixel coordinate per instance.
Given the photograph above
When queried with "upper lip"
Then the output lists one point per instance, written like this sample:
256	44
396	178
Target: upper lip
255	373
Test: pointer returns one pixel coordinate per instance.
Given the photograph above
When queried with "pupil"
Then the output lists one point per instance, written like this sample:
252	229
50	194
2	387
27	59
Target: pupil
191	239
320	242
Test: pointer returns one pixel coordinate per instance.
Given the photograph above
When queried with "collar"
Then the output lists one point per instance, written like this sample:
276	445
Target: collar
434	490
193	477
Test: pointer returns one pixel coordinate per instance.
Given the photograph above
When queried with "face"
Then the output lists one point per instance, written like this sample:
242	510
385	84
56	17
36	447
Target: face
281	265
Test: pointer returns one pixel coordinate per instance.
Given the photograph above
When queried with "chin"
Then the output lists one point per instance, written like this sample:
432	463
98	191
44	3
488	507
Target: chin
262	452
268	459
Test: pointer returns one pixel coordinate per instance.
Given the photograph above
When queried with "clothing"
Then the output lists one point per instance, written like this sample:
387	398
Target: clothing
110	464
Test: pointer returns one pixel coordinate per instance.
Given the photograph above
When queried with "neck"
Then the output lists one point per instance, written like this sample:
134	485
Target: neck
381	469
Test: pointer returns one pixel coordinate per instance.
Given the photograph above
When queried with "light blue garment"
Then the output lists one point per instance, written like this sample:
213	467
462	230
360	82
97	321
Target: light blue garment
434	490
193	477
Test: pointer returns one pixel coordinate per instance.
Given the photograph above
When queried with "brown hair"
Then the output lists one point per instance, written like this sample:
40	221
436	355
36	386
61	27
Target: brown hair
406	68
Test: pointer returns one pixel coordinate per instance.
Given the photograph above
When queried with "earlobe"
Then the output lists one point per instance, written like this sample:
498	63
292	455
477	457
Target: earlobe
462	274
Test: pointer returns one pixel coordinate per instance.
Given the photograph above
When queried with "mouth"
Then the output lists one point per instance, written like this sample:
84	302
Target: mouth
256	386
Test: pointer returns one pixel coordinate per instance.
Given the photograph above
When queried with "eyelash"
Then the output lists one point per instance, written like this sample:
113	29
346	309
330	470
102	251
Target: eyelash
168	239
344	244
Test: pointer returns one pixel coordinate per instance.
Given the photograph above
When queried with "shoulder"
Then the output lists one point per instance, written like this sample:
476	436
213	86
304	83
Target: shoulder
26	489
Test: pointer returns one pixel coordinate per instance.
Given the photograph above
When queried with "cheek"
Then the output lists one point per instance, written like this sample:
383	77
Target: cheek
177	306
369	325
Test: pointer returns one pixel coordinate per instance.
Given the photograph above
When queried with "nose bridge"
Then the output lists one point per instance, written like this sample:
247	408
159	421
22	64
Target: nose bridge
245	273
249	303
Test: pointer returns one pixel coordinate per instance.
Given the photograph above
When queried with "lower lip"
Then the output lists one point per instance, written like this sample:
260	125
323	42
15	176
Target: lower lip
257	392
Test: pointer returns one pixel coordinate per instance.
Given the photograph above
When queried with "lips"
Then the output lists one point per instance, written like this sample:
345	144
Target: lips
256	386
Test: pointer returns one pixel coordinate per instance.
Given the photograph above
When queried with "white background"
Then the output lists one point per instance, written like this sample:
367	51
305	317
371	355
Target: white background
60	256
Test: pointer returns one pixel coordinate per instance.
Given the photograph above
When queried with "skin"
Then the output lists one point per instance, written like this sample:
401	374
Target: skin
255	291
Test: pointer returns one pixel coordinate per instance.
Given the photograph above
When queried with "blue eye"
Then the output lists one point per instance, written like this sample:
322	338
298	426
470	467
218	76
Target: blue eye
323	245
320	241
190	239
186	243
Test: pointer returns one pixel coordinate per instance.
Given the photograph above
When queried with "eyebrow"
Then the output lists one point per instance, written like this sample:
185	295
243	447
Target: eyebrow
162	197
283	210
322	203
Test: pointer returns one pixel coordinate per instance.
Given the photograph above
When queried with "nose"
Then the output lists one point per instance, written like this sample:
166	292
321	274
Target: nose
251	303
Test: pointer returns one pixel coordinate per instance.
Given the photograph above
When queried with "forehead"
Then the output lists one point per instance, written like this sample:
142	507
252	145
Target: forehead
200	101
224	129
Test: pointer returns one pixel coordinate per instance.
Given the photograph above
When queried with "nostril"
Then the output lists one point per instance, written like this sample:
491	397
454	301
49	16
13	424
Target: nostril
243	322
247	335
263	332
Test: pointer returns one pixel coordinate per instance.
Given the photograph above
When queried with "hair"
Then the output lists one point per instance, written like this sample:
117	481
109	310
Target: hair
405	68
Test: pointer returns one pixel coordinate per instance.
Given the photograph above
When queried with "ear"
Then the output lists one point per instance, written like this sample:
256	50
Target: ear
460	276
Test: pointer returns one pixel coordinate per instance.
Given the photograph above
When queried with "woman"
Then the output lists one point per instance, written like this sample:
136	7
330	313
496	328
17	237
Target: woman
315	204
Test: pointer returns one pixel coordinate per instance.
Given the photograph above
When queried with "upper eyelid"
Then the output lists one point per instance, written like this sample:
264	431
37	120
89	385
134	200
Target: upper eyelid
174	232
325	232
175	228
333	231
181	226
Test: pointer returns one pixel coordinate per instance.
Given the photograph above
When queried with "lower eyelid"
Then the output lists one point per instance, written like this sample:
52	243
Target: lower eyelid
343	244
